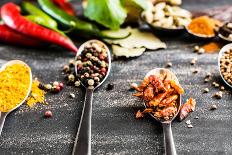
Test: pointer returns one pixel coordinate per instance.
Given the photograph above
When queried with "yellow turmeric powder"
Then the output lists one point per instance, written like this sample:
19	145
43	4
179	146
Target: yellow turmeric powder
14	85
37	95
202	26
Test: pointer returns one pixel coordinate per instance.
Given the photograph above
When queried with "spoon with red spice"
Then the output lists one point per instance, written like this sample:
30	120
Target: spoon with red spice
5	113
166	123
93	64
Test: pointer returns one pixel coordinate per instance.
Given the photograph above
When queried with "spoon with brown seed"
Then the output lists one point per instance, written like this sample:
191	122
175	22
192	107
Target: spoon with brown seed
166	123
92	67
224	62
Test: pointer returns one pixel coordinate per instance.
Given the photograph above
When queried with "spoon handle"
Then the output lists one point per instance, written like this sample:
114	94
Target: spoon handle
82	145
168	139
2	120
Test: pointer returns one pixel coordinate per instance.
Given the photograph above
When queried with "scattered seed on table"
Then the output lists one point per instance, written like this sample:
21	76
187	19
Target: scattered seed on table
48	86
222	88
61	85
48	114
197	117
213	107
208	75
206	90
110	86
193	61
196	48
218	95
215	84
169	64
190	126
188	122
55	83
72	95
206	80
201	51
195	71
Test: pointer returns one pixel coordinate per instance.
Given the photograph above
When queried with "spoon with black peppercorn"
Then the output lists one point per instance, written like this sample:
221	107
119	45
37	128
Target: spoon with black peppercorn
168	137
93	64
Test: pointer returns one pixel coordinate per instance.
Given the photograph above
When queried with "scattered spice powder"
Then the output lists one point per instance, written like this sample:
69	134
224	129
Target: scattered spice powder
202	25
37	95
15	81
212	47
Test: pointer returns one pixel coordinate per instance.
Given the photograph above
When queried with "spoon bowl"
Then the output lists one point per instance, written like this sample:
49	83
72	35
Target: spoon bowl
168	138
200	36
79	52
163	30
224	38
221	53
170	76
82	143
4	114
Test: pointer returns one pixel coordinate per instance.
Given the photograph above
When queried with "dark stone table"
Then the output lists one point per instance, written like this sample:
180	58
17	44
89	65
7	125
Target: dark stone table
115	131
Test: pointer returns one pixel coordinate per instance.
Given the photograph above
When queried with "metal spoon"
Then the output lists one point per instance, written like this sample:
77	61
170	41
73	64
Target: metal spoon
168	138
4	114
82	145
221	53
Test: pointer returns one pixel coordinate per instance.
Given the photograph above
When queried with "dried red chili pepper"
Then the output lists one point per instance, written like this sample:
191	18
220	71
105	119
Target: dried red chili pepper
66	6
168	100
177	87
166	113
11	16
159	96
7	35
186	108
148	93
157	83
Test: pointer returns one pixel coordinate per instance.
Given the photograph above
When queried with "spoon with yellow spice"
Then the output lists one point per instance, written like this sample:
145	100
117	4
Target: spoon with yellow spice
16	81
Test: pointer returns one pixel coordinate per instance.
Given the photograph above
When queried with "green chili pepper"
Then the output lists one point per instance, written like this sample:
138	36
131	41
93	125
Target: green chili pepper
84	28
39	17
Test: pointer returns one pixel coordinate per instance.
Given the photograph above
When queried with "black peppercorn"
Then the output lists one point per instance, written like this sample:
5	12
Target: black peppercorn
110	86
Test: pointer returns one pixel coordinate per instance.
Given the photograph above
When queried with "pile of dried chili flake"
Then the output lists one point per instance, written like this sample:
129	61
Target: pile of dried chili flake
160	96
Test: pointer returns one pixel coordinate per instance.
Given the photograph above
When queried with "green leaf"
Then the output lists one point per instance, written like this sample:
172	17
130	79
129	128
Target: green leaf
142	4
108	13
134	8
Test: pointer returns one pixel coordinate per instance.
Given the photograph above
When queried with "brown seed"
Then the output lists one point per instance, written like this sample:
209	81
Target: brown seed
222	88
190	126
193	61
169	64
201	51
213	107
208	75
206	90
72	95
48	114
196	48
218	95
206	80
195	71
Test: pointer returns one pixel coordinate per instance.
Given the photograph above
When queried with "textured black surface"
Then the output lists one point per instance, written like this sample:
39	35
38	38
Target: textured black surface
115	131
